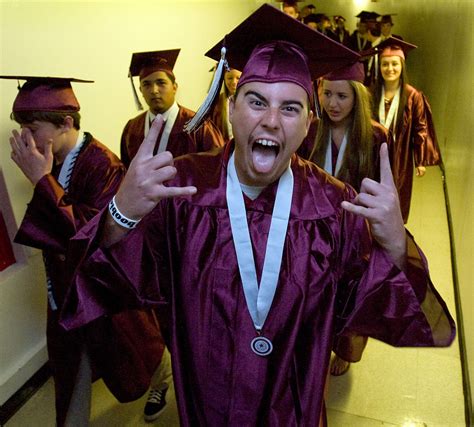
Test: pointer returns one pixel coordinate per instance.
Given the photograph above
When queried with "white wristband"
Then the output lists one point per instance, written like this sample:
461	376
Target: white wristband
120	218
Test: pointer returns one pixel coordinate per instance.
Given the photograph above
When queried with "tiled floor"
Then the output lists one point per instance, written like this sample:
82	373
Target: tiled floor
388	387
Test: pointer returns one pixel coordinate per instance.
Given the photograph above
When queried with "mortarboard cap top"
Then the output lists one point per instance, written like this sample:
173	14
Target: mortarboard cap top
48	94
395	47
367	16
353	72
338	18
269	25
145	63
387	19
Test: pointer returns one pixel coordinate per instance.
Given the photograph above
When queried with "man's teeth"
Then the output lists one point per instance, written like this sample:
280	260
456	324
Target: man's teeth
266	143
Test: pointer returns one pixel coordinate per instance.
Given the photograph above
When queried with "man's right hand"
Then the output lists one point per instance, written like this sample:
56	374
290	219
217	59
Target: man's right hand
142	187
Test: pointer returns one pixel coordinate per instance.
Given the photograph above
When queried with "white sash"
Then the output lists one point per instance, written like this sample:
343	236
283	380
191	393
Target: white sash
169	117
68	165
259	299
392	112
340	155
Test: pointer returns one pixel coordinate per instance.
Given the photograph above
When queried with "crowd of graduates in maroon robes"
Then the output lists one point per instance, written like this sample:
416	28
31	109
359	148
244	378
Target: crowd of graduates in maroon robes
61	207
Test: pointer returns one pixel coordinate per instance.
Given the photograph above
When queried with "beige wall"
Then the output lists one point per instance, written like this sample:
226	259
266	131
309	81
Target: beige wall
91	40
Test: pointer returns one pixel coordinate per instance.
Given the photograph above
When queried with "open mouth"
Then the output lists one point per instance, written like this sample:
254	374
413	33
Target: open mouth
264	155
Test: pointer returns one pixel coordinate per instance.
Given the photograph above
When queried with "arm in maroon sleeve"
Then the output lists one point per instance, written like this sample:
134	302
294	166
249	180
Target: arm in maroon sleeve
401	308
425	144
53	217
124	275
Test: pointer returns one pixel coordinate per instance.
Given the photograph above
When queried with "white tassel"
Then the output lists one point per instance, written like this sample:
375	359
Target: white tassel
135	94
214	90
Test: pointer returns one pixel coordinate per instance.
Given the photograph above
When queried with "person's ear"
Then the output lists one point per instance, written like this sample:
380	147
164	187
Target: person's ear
68	124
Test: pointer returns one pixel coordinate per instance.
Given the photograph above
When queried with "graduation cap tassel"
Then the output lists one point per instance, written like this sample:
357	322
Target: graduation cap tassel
214	90
135	94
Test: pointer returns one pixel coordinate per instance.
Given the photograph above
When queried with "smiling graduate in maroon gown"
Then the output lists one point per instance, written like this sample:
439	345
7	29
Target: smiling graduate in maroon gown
256	257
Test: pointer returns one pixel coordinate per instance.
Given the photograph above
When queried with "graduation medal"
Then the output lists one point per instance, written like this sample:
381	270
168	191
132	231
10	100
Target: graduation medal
261	346
259	298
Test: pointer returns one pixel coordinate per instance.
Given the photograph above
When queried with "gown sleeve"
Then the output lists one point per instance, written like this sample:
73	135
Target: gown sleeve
110	280
425	144
401	308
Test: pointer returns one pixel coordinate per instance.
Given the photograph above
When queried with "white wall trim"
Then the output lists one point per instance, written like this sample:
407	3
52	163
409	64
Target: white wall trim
18	374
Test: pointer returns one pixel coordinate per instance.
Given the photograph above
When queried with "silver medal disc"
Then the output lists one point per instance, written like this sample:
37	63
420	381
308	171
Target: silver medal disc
261	346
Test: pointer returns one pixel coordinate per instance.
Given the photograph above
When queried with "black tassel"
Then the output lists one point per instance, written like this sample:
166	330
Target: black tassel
135	94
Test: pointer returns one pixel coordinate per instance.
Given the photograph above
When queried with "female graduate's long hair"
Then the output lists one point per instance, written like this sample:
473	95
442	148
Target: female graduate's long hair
358	161
377	94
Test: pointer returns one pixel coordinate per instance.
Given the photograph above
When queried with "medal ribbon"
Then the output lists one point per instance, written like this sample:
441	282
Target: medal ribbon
340	156
259	299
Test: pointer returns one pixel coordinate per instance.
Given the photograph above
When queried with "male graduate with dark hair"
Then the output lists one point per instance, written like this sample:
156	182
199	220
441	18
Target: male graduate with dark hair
158	86
74	177
263	258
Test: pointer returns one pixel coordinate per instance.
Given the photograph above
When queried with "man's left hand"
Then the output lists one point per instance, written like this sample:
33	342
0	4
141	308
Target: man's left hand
378	203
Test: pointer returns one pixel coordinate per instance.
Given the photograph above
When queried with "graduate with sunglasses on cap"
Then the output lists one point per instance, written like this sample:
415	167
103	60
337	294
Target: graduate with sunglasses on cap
256	257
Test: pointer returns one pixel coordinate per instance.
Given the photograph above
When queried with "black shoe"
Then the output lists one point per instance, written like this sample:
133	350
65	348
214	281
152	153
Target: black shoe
156	402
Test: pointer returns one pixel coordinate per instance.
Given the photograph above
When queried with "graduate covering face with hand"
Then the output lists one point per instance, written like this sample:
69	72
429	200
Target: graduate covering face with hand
256	266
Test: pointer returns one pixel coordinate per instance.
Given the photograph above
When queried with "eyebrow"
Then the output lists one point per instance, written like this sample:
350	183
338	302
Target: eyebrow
262	98
160	79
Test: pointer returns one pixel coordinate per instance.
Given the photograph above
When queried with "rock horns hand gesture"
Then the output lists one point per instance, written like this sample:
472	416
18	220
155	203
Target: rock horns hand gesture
378	203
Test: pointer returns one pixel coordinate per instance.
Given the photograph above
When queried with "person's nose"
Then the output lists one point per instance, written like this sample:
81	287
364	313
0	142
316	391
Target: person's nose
271	118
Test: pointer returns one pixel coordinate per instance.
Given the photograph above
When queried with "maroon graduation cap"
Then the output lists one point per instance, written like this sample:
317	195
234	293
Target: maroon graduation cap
394	47
49	94
270	46
145	63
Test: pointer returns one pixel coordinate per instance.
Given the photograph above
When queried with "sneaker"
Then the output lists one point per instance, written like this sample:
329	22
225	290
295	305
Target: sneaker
156	402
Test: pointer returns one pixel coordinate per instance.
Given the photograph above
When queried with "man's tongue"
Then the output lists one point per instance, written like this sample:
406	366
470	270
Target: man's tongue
263	158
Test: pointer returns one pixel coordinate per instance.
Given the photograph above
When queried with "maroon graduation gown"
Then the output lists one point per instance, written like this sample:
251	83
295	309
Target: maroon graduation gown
415	145
333	279
51	218
179	142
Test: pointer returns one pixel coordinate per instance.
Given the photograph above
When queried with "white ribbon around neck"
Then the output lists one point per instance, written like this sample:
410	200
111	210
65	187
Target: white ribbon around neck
69	162
392	112
259	299
169	117
340	155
